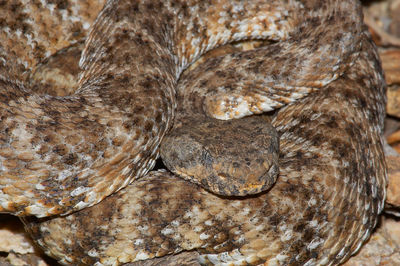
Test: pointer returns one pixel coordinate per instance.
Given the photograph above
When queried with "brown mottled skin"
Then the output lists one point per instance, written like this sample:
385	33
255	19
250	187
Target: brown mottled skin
332	173
62	154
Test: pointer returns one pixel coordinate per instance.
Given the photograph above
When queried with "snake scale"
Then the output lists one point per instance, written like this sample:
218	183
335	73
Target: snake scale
60	155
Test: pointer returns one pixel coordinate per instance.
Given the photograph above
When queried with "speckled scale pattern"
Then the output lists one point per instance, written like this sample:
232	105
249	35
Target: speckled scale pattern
323	206
264	79
61	154
33	30
313	215
332	179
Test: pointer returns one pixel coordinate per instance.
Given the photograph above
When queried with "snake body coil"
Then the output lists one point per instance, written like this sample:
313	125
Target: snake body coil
63	154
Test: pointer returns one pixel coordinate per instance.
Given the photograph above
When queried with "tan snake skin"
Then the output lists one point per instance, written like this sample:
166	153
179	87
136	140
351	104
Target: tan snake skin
62	154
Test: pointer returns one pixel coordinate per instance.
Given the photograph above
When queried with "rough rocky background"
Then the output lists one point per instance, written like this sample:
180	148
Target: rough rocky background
383	248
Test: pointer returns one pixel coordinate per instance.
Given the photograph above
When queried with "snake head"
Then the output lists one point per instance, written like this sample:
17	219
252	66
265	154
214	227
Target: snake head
231	158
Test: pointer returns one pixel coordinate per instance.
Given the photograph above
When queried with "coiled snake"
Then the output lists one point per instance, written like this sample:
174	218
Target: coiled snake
61	154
